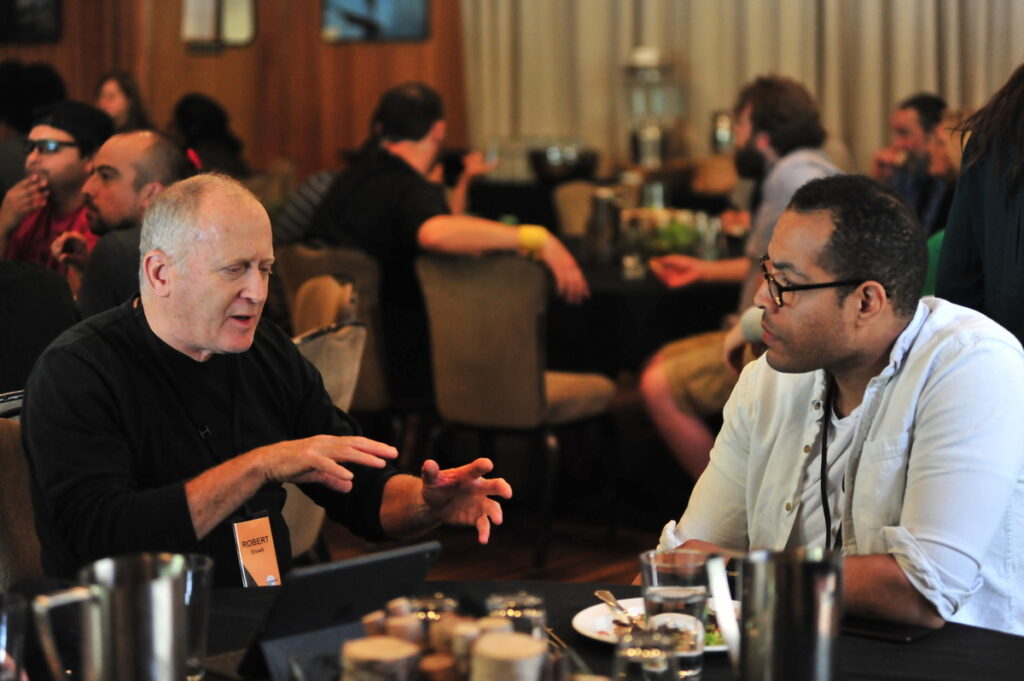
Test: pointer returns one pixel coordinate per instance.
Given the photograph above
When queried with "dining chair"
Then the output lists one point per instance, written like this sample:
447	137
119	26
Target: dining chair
322	301
335	350
487	326
19	544
297	263
572	205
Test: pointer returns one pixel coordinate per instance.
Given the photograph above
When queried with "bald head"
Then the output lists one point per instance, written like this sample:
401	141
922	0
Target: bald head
129	171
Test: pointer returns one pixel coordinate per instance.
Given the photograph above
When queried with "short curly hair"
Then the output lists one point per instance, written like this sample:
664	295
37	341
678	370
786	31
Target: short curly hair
876	237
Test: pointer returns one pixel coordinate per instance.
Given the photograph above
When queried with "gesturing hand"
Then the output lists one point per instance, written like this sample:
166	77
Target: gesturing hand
461	496
319	459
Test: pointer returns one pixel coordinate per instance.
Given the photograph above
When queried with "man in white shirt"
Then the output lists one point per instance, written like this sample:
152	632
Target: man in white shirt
923	440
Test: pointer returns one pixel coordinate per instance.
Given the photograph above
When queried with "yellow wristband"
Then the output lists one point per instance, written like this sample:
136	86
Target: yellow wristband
532	238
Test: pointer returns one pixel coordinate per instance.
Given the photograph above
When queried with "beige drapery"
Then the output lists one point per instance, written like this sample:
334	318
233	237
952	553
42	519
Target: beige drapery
554	67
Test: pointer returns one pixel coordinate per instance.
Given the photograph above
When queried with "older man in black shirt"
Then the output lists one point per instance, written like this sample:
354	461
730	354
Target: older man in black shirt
160	424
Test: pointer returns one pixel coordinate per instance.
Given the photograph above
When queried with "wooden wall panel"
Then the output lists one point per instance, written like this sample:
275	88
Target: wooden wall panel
289	94
87	47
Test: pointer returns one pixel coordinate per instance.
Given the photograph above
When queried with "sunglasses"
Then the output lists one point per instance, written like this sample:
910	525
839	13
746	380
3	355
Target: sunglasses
47	146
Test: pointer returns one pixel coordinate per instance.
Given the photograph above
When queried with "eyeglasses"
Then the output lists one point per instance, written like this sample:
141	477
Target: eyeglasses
775	289
47	146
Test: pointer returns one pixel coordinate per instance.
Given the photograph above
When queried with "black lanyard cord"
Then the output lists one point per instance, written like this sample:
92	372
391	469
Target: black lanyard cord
826	420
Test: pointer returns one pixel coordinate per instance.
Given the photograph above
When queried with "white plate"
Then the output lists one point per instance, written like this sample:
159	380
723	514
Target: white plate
596	622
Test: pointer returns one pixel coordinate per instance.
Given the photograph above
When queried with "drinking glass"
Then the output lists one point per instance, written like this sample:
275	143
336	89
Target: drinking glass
13	613
525	610
675	594
646	655
198	581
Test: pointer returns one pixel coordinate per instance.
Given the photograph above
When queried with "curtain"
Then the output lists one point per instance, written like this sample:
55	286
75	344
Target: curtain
555	68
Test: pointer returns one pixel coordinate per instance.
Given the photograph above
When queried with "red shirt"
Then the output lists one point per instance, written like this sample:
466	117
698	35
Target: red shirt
31	240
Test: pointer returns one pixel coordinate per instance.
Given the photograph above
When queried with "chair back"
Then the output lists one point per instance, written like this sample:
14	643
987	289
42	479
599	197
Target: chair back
487	338
573	206
337	351
19	545
297	263
322	301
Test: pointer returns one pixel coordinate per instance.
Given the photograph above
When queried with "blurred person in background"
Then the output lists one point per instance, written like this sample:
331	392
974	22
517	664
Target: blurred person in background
981	264
201	125
49	201
905	163
23	90
386	204
778	144
118	94
130	170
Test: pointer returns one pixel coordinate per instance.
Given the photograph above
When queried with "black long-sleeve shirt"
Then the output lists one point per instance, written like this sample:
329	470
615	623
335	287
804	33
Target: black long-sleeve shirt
116	422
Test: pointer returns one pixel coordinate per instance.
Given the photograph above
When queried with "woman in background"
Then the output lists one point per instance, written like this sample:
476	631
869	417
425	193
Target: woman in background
118	95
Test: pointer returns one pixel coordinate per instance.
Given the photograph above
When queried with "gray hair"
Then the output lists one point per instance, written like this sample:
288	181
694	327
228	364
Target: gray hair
171	222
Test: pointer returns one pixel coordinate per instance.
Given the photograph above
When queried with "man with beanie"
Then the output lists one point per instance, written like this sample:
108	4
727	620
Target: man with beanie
49	201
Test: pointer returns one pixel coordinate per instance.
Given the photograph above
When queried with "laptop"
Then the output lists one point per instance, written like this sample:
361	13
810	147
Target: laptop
318	608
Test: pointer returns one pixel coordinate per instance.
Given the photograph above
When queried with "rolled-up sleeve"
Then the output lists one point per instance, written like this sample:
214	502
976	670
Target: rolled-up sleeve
966	461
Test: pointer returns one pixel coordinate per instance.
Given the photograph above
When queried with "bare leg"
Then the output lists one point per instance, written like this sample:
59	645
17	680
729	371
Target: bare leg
687	437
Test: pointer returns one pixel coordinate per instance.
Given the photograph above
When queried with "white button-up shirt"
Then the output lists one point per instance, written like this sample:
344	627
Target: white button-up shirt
934	476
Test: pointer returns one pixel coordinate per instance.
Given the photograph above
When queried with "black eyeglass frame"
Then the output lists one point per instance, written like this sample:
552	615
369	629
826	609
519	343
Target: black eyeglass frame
47	146
775	289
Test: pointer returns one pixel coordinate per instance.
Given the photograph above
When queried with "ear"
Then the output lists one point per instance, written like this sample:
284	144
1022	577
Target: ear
763	142
156	266
438	131
871	299
149	191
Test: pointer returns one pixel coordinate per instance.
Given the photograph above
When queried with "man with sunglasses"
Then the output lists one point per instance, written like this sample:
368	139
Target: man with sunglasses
877	423
49	201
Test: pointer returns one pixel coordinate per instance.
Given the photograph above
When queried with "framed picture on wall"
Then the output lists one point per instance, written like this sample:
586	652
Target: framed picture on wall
375	20
29	21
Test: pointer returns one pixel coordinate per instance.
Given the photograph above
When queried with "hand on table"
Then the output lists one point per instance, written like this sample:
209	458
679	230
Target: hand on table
462	496
676	271
569	279
320	459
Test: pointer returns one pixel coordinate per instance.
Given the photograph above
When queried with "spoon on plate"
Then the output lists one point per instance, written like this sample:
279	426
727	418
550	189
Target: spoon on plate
610	600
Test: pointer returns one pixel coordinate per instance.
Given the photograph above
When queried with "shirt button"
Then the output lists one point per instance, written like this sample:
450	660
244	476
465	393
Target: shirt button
807	449
789	506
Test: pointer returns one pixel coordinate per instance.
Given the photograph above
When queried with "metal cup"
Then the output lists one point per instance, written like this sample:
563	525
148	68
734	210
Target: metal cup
791	604
133	619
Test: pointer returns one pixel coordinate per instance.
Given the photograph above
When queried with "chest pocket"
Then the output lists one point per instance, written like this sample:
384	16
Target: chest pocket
881	483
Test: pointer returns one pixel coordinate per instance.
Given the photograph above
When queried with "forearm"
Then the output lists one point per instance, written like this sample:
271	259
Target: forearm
217	493
464	234
404	514
875	586
730	270
458	197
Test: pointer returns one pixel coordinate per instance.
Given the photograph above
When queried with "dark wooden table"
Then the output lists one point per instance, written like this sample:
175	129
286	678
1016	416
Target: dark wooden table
624	322
954	653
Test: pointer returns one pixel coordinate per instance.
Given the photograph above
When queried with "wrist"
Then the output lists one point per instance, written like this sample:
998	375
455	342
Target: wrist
532	239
